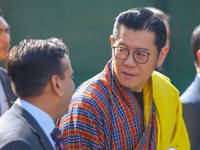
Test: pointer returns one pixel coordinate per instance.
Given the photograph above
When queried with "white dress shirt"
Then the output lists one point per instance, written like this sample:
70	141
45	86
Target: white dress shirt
198	75
44	120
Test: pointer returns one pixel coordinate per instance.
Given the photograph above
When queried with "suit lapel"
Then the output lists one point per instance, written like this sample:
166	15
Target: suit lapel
11	97
24	115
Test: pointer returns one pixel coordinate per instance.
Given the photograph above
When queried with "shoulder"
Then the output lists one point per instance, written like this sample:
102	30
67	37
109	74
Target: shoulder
16	126
159	76
14	129
188	94
164	92
20	130
191	94
3	70
93	88
90	96
16	144
161	81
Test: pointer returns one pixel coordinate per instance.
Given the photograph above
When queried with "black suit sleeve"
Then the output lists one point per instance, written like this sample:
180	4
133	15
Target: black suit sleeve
192	122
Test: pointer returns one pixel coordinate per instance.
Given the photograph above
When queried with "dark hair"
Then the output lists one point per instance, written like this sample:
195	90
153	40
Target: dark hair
1	13
32	63
141	19
195	43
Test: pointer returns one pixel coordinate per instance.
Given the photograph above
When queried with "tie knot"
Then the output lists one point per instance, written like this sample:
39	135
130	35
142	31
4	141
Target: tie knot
58	138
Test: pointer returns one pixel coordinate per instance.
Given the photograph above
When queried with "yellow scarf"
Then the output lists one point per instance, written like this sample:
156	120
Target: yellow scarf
172	132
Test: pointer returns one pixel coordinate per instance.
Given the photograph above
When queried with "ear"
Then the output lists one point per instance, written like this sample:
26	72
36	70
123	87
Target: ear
57	85
111	41
198	57
163	54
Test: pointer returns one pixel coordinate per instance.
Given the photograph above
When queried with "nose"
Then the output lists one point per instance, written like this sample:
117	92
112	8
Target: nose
6	38
130	61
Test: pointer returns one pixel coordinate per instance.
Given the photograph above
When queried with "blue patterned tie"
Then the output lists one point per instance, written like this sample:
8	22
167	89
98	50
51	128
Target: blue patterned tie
58	138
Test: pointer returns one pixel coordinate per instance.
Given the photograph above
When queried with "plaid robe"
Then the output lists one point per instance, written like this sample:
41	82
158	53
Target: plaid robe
105	115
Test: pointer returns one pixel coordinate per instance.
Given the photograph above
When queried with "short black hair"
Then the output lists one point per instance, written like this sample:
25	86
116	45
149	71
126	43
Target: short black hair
141	19
32	63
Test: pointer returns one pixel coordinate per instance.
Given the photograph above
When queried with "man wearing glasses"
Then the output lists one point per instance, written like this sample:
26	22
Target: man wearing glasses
128	105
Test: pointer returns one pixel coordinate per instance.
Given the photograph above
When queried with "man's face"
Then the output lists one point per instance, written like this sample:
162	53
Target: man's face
4	39
68	85
130	73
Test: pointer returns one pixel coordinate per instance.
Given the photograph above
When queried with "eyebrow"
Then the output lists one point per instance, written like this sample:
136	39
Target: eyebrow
122	44
142	49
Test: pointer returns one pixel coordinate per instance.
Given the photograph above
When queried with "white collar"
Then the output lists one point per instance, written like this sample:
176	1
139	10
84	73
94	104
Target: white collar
198	74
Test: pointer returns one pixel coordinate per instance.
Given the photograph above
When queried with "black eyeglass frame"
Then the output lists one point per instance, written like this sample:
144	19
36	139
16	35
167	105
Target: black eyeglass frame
159	49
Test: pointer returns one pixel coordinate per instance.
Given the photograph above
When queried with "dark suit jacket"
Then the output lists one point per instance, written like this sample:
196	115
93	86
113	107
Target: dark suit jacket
20	131
190	100
7	87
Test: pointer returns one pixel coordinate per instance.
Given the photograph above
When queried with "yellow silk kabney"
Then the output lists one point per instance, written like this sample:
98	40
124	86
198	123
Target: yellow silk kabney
171	128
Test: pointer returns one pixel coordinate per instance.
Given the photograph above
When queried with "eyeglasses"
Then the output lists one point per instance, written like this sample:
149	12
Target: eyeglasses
139	56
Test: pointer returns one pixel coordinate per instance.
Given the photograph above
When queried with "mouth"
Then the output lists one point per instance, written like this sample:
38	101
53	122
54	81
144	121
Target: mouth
6	48
129	75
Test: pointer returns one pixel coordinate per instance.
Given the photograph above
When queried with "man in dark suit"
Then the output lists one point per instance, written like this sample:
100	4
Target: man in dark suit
7	96
191	97
41	76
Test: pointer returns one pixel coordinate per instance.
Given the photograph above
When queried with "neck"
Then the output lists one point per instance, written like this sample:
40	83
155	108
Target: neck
43	102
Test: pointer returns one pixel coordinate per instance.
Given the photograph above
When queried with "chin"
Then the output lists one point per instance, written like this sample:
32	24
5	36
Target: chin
127	85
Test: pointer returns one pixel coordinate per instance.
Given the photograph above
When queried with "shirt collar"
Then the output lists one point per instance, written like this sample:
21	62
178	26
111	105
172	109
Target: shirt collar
198	74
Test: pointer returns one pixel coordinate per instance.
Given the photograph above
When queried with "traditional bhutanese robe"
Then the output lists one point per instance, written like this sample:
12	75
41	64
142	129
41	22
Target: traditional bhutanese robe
105	115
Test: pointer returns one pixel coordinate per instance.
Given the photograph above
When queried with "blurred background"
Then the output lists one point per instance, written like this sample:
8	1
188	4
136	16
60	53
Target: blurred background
85	27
